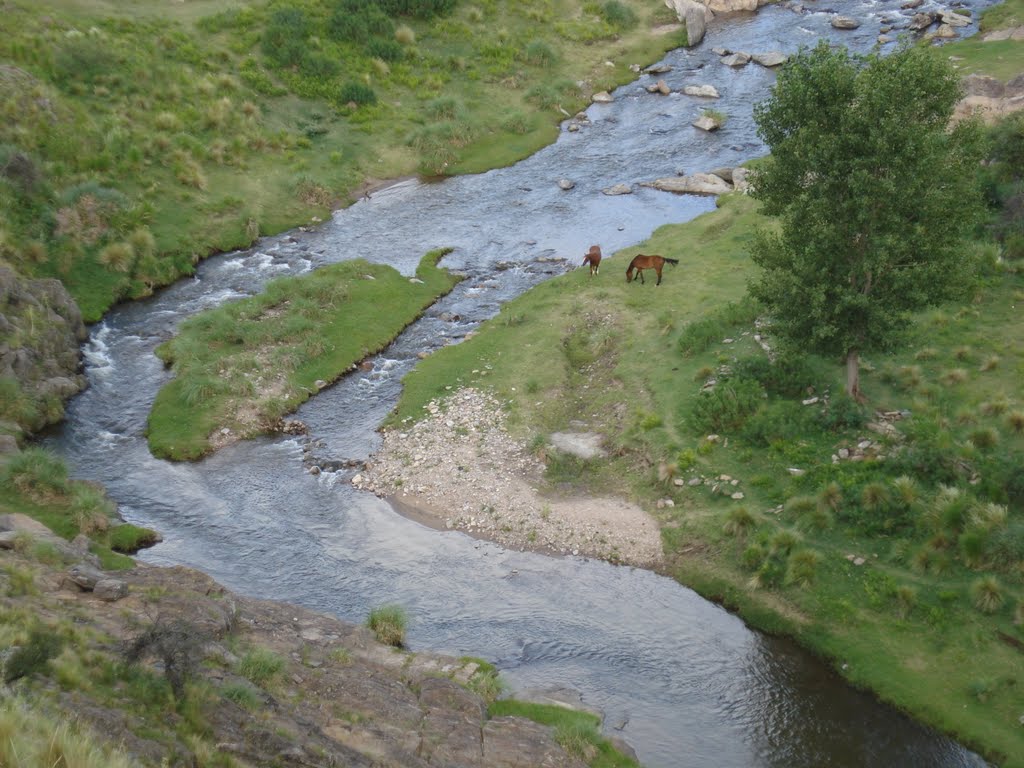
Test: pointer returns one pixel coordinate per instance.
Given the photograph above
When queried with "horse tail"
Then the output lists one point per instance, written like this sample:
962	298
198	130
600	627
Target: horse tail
673	262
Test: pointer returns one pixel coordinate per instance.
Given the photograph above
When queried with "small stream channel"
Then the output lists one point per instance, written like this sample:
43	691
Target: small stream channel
683	681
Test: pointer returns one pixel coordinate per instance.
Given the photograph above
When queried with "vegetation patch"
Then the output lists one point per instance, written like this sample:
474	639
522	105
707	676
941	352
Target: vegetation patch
885	534
577	732
242	366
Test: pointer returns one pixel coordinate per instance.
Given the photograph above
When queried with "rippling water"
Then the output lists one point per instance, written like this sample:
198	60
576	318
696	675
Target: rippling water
686	683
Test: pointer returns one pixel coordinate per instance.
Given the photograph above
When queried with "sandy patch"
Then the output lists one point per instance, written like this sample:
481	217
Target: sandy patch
458	468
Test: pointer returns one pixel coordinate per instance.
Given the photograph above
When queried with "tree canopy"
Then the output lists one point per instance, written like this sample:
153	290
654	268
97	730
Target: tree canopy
874	192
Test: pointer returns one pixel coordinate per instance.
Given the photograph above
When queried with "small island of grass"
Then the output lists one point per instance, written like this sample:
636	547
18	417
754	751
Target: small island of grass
242	366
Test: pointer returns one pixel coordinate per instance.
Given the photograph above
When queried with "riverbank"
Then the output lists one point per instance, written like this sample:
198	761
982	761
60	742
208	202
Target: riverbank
460	469
821	523
164	666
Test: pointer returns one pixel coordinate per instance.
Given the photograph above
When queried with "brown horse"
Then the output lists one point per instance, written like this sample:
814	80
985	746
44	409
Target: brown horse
641	262
593	257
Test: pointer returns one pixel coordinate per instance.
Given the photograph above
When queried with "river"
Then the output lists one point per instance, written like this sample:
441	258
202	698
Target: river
683	681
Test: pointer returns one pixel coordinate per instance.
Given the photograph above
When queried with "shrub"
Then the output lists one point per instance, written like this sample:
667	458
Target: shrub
984	438
421	9
118	257
34	656
972	547
385	49
260	665
784	541
789	376
284	40
843	412
618	15
388	623
727	406
780	420
987	594
357	93
357	20
176	643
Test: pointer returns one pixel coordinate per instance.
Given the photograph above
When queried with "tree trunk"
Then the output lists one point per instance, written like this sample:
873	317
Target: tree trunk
853	375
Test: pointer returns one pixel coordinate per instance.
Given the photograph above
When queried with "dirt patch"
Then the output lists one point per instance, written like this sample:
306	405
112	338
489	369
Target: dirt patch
459	468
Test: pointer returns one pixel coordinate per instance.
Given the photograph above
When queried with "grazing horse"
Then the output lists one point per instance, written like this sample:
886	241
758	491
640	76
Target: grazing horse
641	262
593	256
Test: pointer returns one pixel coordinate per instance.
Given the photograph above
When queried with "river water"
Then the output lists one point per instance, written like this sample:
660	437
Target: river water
683	681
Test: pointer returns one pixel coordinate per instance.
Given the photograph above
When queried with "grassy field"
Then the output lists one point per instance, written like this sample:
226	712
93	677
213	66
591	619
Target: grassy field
137	139
244	365
904	564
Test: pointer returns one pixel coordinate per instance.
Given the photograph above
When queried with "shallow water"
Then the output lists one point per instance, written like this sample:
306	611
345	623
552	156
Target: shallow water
683	681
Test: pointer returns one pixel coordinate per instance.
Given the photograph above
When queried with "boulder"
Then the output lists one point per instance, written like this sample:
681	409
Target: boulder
566	184
954	19
770	59
944	32
921	21
85	576
844	22
738	59
706	91
110	590
602	97
694	184
694	15
707	123
657	69
618	189
585	445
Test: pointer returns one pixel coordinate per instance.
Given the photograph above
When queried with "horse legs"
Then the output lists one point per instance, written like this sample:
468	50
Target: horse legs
658	270
641	273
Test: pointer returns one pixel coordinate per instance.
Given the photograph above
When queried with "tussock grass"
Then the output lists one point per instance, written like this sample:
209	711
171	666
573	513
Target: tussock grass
389	623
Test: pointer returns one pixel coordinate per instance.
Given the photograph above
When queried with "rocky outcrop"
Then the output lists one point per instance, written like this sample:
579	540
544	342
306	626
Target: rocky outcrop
335	697
989	98
694	184
696	14
40	332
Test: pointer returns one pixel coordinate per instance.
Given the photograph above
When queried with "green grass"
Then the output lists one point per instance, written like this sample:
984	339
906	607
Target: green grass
577	732
203	138
244	365
35	483
261	666
389	623
911	623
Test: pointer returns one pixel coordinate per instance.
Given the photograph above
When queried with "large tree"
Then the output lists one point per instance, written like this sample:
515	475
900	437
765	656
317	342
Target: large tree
874	193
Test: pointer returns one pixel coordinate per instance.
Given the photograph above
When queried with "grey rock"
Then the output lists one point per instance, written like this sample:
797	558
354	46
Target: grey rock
85	576
770	59
110	590
706	91
844	22
738	59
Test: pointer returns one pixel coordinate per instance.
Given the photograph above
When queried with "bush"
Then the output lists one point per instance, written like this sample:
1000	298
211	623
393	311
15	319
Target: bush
83	59
801	567
420	9
540	54
284	40
177	644
358	20
618	15
727	406
385	50
388	623
843	412
32	657
779	420
357	93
